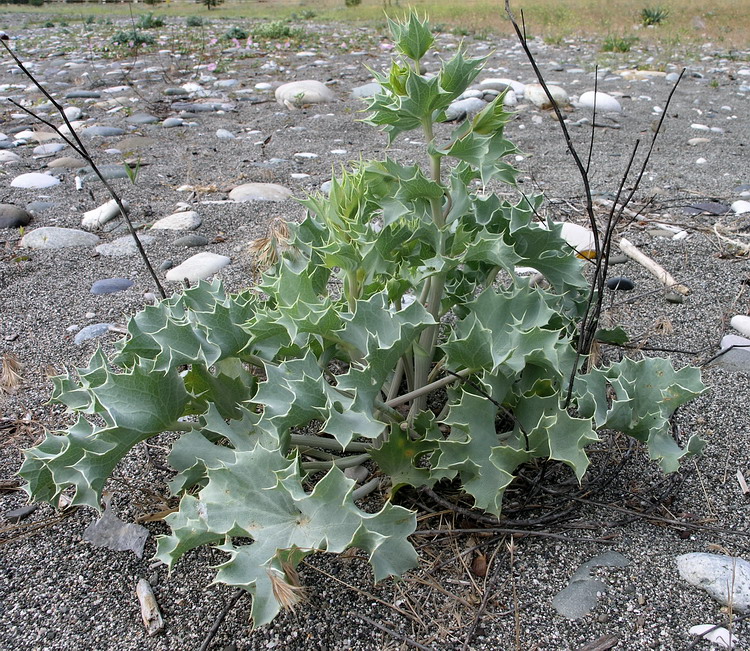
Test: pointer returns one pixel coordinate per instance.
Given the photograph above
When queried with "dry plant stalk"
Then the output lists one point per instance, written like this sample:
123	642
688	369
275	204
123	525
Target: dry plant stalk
10	375
267	250
287	589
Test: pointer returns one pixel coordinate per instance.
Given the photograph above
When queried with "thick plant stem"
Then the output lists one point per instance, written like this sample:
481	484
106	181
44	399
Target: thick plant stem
330	444
428	388
345	462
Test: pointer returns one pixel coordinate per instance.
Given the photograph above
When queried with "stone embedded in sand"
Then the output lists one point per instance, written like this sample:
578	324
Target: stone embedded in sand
464	108
200	266
299	93
66	163
51	237
141	118
111	285
91	331
501	84
187	220
536	95
50	149
735	354
260	192
103	132
366	91
603	102
72	112
12	216
135	142
9	157
34	181
740	207
225	134
97	217
725	578
124	246
83	94
640	75
741	323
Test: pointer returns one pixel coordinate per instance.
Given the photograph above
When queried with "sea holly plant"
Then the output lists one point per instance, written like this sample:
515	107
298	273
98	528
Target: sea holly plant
395	330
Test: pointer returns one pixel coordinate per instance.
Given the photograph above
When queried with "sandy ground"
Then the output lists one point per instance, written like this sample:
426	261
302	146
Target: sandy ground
59	592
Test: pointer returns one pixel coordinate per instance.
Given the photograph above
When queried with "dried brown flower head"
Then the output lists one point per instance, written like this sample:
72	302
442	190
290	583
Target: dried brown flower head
10	375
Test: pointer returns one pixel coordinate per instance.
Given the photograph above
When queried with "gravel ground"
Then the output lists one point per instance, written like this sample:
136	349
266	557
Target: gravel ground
59	592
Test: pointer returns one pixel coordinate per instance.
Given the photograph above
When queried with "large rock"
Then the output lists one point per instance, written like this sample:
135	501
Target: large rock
603	102
200	266
12	216
187	220
51	237
535	94
725	578
260	192
298	93
34	181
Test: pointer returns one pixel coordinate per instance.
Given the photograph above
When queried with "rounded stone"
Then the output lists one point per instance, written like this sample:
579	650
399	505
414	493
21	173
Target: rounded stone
193	239
298	93
111	285
12	216
124	246
188	220
464	108
621	283
91	332
200	266
260	192
34	181
603	102
103	132
535	94
52	237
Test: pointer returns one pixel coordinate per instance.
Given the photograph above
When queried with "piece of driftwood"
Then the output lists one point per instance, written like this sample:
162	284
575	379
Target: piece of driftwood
656	270
152	619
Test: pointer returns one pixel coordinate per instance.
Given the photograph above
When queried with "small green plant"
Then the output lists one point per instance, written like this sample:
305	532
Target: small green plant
235	33
194	21
48	24
653	15
618	43
89	20
210	4
149	21
132	38
391	327
352	3
276	29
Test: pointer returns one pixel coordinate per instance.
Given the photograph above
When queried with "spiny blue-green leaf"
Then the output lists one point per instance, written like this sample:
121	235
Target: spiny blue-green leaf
457	74
413	36
226	391
491	119
468	452
260	496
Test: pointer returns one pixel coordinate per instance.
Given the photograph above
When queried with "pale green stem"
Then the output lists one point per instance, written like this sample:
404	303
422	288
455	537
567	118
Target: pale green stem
346	462
309	440
366	489
395	383
183	426
425	390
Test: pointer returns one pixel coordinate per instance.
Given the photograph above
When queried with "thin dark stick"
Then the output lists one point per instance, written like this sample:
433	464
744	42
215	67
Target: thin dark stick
391	632
81	150
221	617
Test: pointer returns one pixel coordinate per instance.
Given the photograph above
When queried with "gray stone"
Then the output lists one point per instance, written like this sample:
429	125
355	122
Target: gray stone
725	578
734	354
103	132
124	246
535	94
66	163
97	217
110	172
367	90
225	134
175	92
142	118
51	237
193	239
298	93
34	181
187	220
170	123
91	332
200	266
260	192
579	597
36	207
111	285
8	156
111	532
603	102
203	107
710	207
83	94
12	216
166	265
464	108
48	149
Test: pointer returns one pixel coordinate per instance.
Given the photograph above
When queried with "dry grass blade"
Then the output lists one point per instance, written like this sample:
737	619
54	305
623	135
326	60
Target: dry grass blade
285	593
10	375
267	250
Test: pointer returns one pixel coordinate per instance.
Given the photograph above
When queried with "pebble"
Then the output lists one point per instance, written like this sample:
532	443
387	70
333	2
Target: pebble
718	575
298	93
135	142
463	108
604	103
621	283
224	134
49	149
12	216
103	132
735	354
111	285
366	91
9	157
741	323
96	218
91	332
72	113
500	84
536	95
193	239
66	163
740	207
200	266
142	118
83	94
710	207
187	220
170	123
34	181
110	172
697	141
260	192
52	237
124	246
